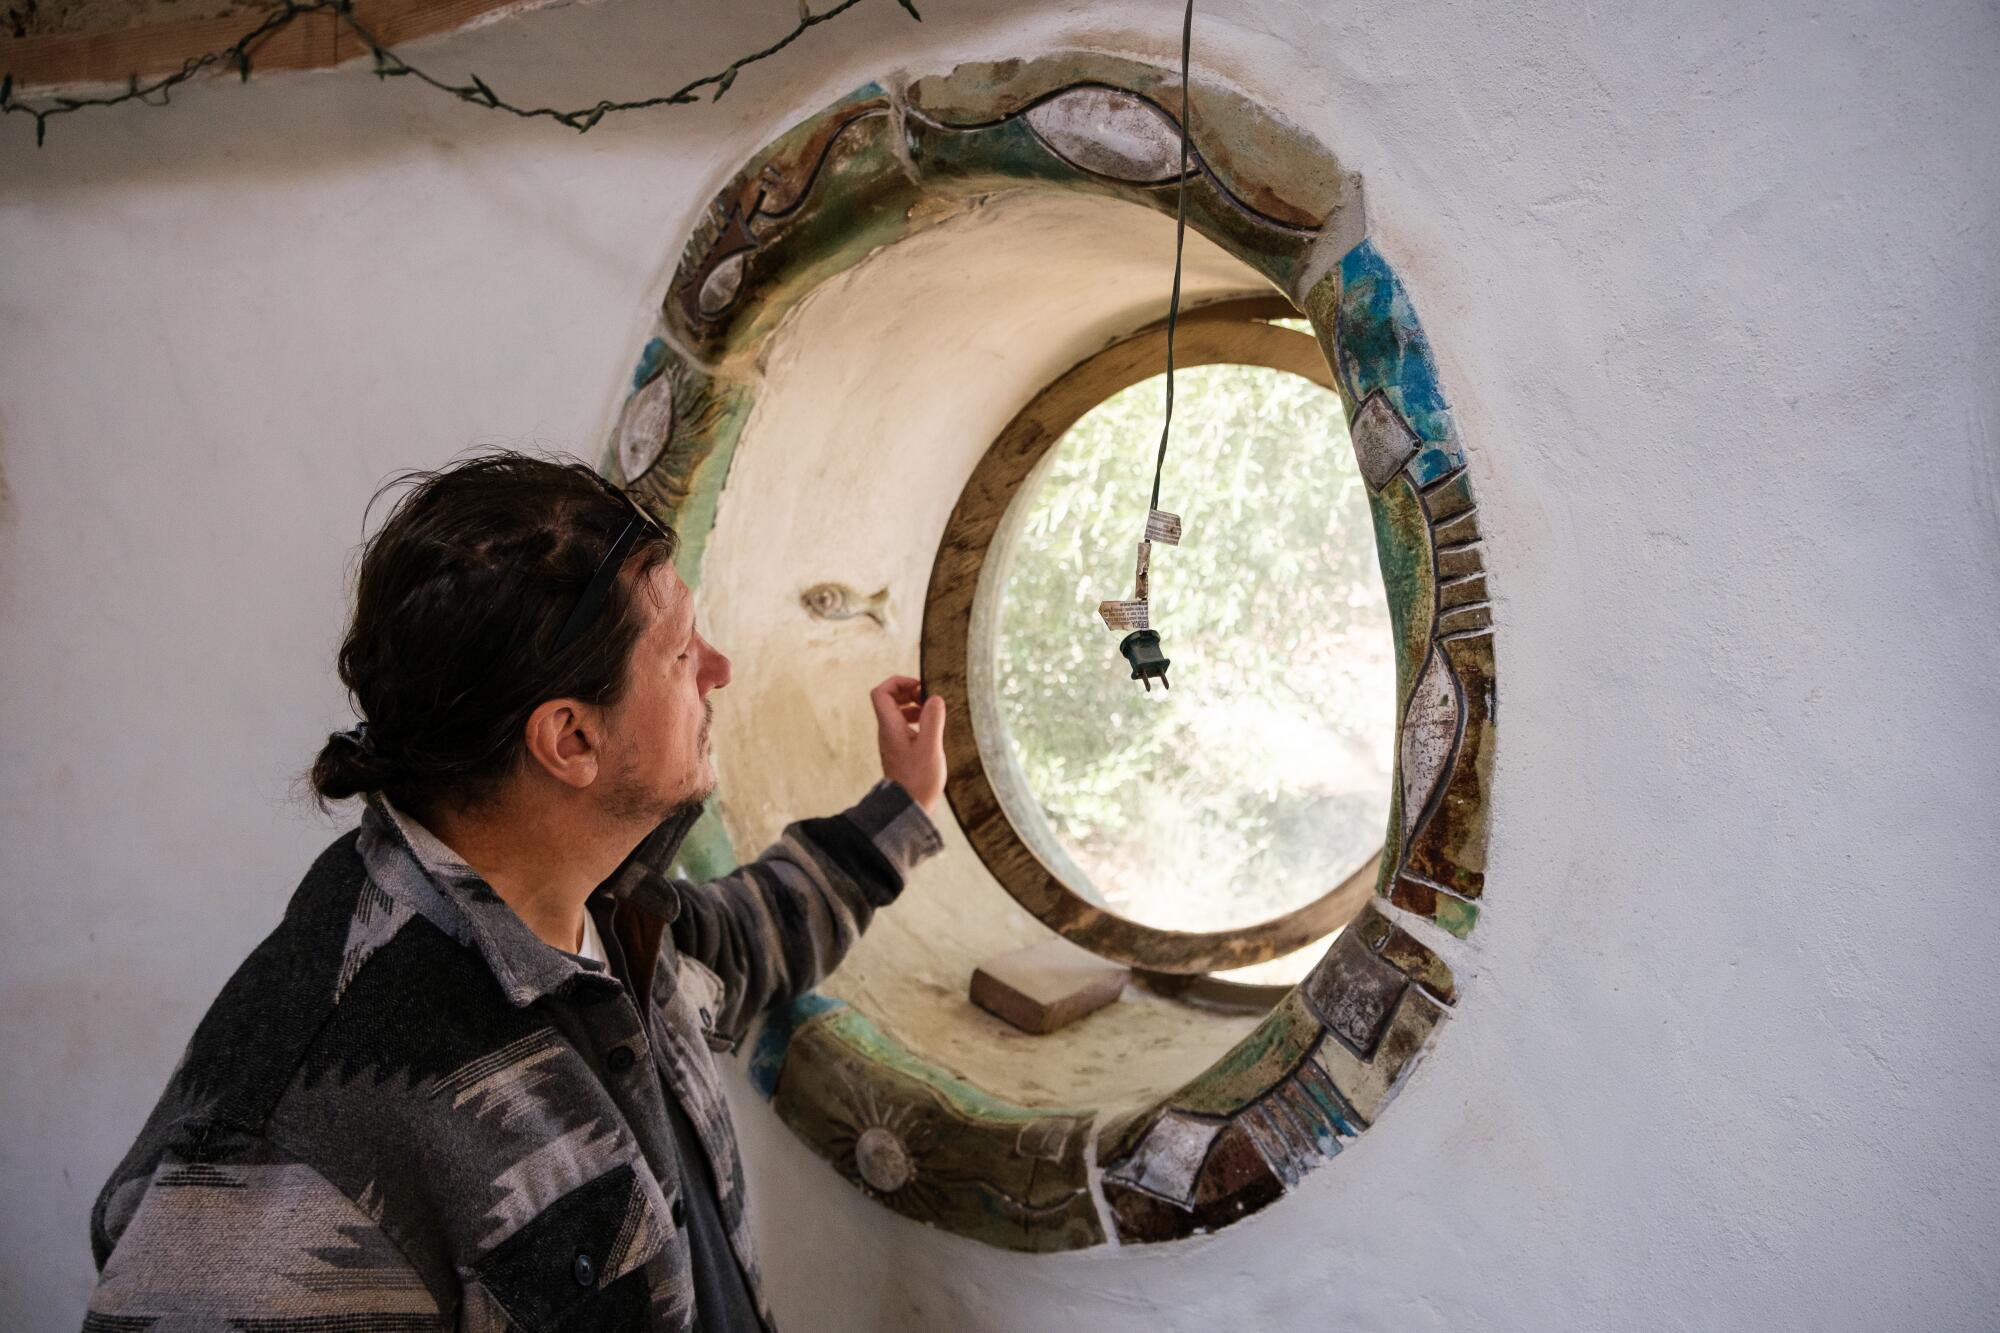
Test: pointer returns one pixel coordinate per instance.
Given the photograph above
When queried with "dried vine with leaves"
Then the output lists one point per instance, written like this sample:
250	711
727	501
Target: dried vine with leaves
239	56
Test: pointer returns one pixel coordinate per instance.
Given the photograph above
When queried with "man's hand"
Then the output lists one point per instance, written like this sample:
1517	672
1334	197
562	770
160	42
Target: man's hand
909	730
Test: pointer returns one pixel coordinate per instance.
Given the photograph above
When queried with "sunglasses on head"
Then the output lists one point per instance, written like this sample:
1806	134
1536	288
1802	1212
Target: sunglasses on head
598	591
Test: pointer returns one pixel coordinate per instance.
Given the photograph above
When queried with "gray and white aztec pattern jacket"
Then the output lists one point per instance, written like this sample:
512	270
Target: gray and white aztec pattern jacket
406	1112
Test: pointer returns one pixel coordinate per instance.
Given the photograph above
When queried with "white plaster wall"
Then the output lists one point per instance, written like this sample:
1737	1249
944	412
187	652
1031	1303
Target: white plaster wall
1714	290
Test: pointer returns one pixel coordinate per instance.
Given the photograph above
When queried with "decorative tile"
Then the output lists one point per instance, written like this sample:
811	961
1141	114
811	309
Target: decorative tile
1403	550
1273	168
1368	1085
1169	1158
1457	530
1353	992
1405	952
644	427
1464	619
809	205
1300	1123
702	416
1235	1181
1448	496
933	1147
1450	911
1383	441
1460	561
1430	730
1422	966
1380	347
1251	1068
972	160
1254	1064
1450	849
1435	462
1371	928
1109	132
1461	590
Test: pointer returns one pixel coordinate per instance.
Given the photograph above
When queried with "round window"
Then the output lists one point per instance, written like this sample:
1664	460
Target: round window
1239	815
1225	801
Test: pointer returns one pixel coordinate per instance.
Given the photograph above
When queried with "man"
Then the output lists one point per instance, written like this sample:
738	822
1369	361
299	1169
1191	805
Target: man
467	1082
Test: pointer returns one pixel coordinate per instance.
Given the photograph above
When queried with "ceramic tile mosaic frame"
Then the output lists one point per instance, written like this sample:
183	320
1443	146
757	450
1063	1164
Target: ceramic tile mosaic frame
884	163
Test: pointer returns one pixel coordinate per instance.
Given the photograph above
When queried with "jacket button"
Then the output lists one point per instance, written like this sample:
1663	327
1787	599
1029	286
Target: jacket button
585	1271
680	1209
620	1059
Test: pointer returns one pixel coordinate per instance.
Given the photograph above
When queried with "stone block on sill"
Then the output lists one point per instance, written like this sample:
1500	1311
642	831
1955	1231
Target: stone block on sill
1046	986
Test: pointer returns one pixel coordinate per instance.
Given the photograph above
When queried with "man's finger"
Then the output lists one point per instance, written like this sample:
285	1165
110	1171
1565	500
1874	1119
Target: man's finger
888	715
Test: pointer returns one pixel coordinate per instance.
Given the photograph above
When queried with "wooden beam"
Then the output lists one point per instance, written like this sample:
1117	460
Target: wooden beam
312	41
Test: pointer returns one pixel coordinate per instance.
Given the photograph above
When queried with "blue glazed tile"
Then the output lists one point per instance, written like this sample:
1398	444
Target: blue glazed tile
1382	347
651	361
1434	461
767	1058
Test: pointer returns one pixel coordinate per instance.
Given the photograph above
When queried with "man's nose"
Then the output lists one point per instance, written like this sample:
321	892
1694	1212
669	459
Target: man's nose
715	670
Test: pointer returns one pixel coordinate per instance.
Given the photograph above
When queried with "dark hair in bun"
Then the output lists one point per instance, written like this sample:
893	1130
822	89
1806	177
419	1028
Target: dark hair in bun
458	606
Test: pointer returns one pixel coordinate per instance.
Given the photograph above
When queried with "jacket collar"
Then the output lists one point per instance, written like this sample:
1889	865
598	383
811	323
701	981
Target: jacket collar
409	863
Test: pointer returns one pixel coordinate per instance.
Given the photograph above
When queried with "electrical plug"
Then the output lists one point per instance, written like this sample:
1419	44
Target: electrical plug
1142	649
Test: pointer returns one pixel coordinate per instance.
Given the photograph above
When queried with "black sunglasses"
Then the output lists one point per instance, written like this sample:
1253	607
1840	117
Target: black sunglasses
598	590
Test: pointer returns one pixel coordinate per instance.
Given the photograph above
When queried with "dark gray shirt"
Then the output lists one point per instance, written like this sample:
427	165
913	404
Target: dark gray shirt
722	1300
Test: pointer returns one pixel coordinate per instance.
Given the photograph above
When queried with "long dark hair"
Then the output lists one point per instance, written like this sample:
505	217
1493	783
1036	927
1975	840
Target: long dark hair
460	598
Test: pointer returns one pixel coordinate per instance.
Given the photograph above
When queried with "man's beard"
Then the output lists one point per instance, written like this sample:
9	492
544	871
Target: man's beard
631	799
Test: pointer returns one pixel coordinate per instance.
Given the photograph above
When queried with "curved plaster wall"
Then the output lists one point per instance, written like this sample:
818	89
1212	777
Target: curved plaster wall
1702	280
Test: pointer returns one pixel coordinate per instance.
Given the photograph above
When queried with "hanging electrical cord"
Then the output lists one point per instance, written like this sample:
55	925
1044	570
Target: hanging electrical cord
1141	644
1180	238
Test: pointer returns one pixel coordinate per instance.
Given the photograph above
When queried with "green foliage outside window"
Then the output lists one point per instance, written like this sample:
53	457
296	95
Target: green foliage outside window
1262	779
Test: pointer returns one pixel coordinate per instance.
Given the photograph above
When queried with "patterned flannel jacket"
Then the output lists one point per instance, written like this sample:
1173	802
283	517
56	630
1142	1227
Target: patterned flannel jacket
407	1112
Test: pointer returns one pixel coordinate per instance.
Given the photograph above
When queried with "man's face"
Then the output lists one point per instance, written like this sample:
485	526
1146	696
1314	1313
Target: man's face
657	742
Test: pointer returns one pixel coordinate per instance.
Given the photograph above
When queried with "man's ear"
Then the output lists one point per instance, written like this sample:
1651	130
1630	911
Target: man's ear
565	741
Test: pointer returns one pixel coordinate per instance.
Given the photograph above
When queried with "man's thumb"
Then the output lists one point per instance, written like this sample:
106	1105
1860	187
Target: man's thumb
930	723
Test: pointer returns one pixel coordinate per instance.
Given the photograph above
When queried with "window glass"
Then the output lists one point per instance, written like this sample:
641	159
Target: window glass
1261	780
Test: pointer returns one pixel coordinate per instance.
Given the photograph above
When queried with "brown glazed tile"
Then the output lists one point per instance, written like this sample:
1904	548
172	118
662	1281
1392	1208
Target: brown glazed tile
1464	590
1450	847
1463	560
1448	497
1456	915
1235	1181
1368	1085
1465	619
1458	529
1141	1219
1371	928
1353	991
813	202
1405	952
1421	965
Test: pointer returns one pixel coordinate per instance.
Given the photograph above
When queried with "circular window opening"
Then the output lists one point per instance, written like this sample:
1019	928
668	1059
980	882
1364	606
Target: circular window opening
1234	822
